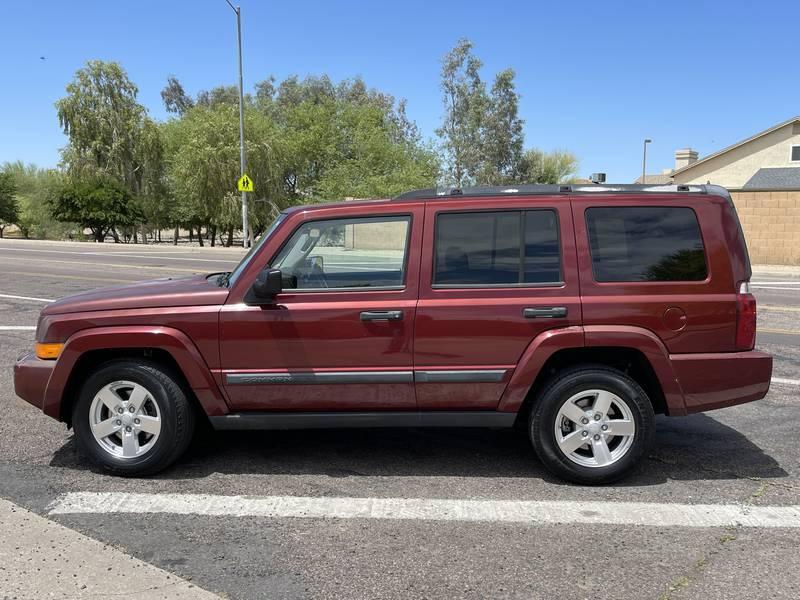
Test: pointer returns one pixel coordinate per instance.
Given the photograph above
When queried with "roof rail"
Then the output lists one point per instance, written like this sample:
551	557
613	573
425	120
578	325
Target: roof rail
534	189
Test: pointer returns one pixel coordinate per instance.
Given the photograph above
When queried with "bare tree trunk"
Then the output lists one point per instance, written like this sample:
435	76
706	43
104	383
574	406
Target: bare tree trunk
213	236
191	234
135	235
175	235
200	235
113	233
230	237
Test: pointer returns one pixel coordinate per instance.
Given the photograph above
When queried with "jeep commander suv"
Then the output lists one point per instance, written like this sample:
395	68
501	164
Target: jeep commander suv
578	312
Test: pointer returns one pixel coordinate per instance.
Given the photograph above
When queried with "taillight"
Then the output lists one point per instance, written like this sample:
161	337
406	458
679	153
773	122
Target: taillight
745	318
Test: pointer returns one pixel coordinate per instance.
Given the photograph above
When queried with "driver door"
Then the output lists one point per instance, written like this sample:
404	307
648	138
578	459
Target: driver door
339	337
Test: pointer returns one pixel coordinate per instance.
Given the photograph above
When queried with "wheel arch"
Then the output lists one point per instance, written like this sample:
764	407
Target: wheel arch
632	350
88	348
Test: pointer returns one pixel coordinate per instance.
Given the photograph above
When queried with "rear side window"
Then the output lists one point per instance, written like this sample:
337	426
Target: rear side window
497	248
648	243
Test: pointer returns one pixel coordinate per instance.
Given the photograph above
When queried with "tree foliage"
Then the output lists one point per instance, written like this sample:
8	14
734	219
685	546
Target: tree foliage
465	102
482	133
307	139
35	188
537	166
99	203
9	208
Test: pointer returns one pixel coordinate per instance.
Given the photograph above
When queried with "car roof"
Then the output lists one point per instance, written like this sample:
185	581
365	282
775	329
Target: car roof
522	190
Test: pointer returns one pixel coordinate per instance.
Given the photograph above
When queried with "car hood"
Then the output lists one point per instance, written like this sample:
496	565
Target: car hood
185	291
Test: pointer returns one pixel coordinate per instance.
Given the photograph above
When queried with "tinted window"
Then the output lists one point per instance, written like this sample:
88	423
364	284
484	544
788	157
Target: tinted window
345	253
796	153
497	248
645	244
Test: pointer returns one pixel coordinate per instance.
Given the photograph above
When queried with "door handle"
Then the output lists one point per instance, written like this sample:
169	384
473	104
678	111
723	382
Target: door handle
545	312
382	315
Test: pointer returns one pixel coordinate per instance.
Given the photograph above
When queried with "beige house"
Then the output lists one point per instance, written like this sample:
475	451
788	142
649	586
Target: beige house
763	175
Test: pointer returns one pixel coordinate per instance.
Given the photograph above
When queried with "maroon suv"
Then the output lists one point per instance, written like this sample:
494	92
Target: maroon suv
579	312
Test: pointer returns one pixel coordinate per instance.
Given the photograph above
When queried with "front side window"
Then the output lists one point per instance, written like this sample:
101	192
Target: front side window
345	253
647	243
497	248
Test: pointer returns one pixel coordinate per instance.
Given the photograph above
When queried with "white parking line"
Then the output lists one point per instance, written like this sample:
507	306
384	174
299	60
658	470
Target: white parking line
429	509
26	298
768	282
17	327
126	254
786	381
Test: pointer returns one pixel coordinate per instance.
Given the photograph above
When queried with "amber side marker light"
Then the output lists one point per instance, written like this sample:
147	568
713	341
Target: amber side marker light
48	351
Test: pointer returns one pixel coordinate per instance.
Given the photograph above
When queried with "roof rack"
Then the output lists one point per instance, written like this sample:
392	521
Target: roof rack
536	189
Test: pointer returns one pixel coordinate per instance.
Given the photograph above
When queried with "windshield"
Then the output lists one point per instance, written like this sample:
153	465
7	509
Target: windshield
234	275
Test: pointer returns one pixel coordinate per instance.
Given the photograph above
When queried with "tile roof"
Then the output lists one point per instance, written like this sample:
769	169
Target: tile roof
774	178
655	179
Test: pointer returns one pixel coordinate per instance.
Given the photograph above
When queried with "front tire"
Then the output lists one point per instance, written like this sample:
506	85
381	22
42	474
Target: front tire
592	425
133	418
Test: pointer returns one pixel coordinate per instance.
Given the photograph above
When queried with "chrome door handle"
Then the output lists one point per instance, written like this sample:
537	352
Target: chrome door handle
382	315
545	312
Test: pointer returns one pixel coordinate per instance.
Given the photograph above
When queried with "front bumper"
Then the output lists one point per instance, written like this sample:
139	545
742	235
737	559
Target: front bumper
712	381
31	376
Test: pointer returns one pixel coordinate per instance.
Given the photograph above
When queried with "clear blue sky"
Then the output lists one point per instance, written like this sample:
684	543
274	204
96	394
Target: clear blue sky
595	77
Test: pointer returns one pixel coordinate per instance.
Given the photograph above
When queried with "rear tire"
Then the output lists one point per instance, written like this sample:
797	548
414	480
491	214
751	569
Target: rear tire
133	418
592	425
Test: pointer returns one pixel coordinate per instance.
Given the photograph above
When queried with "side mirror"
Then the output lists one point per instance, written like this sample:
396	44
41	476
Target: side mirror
267	285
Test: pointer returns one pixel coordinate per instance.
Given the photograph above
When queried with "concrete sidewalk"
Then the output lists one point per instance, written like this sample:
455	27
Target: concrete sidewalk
41	559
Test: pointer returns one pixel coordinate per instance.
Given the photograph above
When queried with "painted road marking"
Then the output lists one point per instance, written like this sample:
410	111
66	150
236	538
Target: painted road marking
785	381
769	282
430	509
783	331
126	254
26	298
17	327
115	265
769	287
104	279
779	308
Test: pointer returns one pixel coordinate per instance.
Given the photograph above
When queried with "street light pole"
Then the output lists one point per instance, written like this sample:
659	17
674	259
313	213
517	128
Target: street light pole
242	159
644	160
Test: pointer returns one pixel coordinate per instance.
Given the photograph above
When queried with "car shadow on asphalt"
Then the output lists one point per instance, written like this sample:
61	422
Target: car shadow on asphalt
697	447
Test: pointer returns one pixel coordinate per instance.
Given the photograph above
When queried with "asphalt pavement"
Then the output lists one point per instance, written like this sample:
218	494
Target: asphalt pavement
409	513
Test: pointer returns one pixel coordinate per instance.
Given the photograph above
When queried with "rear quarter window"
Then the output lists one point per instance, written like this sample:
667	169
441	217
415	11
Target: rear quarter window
645	243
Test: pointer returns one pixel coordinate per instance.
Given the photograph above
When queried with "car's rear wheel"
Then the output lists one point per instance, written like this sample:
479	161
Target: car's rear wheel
592	425
133	418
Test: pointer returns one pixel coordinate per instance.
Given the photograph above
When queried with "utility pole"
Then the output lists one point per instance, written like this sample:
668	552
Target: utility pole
242	158
644	160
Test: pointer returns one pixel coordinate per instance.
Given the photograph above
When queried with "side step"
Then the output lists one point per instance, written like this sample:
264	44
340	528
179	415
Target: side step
335	420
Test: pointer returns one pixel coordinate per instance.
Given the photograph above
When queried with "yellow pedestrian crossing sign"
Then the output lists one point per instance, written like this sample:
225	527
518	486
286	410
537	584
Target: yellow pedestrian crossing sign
245	184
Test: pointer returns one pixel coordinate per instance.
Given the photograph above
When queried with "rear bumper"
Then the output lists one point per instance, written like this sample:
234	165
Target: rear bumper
712	381
31	376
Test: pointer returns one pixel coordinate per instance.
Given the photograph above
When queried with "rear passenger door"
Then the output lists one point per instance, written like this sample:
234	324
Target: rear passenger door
490	282
645	261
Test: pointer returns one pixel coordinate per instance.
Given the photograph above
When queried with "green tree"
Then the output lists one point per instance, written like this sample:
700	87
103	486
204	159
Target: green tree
35	187
503	138
99	203
176	100
110	134
538	166
202	161
9	208
465	102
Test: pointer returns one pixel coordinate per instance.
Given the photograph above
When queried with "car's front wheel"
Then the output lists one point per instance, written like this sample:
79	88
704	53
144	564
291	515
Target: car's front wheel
133	417
592	425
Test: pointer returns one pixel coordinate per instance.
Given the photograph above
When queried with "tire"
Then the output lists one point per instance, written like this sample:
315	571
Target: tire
564	417
139	397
